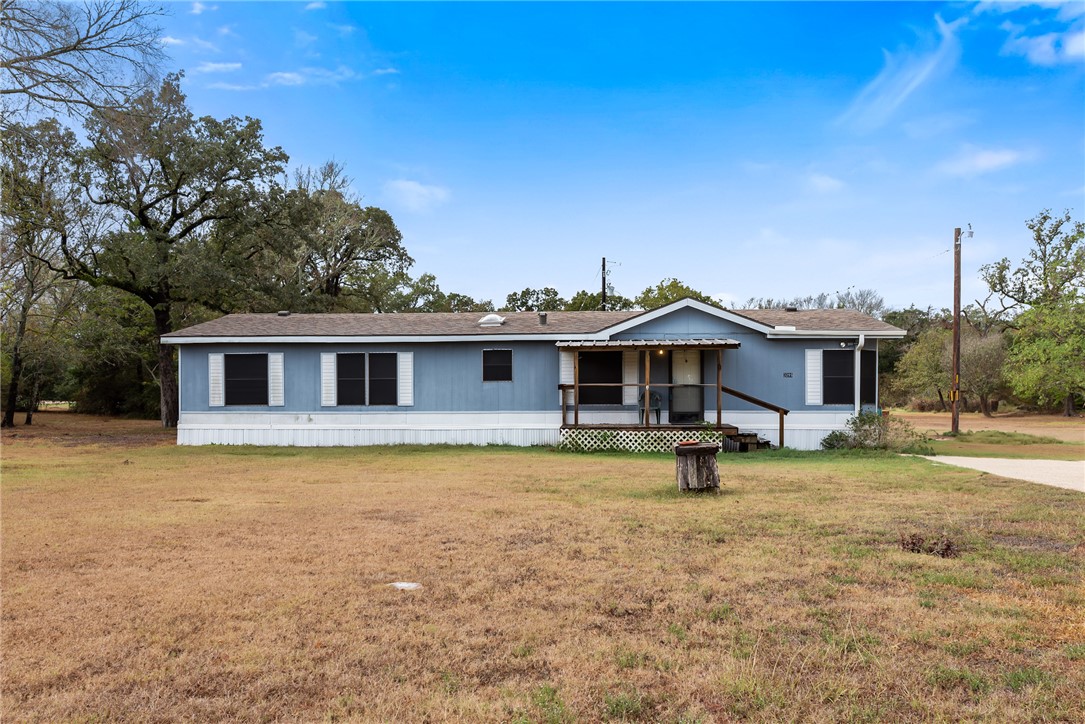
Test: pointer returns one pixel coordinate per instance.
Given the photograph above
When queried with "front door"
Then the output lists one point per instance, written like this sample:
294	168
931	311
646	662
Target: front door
687	403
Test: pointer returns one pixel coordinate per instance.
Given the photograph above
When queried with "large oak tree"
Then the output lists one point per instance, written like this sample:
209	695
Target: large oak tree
180	192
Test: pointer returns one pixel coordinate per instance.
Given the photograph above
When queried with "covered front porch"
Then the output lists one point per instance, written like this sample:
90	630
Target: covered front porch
650	395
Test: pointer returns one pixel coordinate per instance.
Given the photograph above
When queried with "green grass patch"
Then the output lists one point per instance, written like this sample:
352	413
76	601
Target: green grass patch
1021	679
998	437
944	677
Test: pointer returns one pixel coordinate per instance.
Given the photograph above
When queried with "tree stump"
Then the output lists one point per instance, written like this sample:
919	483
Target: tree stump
695	466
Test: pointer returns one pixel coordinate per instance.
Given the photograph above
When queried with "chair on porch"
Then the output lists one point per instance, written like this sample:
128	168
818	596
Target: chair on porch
655	402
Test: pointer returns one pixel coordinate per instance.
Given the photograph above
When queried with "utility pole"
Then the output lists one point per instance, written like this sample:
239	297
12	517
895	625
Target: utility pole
603	303
955	386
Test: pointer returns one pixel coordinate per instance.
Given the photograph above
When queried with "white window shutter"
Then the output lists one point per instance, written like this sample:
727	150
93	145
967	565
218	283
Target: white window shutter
329	379
405	397
275	394
566	372
629	376
216	373
813	377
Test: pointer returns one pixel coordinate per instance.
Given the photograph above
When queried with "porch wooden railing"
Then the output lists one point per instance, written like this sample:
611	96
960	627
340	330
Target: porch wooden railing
646	396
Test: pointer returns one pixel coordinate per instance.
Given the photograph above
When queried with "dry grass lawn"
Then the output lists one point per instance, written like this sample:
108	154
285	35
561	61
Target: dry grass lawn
1004	435
142	581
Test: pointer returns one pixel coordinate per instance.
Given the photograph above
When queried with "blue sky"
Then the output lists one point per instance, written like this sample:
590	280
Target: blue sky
749	149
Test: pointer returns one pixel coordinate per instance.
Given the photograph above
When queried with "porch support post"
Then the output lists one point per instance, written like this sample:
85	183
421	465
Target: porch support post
781	414
647	387
719	388
576	388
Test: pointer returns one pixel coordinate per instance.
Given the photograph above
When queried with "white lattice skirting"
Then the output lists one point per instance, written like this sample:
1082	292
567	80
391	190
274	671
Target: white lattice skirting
638	440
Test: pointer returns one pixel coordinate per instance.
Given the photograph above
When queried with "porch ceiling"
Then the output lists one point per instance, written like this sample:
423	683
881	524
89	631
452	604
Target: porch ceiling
652	344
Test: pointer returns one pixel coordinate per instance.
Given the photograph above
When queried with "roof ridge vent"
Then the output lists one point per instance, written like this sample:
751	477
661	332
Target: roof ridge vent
284	312
791	309
491	320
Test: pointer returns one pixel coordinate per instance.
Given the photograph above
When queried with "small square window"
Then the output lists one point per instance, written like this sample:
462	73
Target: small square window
497	365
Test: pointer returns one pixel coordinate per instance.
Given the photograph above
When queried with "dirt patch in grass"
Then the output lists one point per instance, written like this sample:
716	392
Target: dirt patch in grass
1030	437
60	427
1067	429
154	582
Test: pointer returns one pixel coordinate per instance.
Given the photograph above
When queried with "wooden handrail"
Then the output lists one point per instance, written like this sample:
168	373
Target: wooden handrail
753	400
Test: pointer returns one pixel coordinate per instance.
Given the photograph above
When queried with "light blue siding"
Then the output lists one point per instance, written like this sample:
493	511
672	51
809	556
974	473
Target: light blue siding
447	376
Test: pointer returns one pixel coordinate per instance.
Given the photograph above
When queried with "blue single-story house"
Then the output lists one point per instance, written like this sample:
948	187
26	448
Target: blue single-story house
635	379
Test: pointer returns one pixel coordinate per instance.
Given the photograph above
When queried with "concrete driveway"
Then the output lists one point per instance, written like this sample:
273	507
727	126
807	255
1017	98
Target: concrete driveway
1058	473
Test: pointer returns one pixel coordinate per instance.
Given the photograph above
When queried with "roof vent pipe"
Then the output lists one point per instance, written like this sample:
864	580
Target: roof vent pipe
542	317
284	312
791	309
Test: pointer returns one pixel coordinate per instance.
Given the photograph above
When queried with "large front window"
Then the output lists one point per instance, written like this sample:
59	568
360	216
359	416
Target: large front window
838	377
600	367
245	378
366	378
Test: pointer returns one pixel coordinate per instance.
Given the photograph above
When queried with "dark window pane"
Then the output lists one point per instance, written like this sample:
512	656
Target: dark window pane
838	362
245	378
600	367
350	382
838	377
382	379
497	365
868	378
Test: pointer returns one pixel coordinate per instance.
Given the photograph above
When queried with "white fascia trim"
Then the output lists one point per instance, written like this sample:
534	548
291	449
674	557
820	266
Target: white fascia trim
822	334
357	339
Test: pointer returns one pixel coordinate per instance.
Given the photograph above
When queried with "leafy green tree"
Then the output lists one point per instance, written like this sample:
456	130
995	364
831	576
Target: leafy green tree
1050	281
168	180
866	301
37	207
1046	362
399	292
667	291
546	299
113	369
584	301
1053	269
922	370
982	360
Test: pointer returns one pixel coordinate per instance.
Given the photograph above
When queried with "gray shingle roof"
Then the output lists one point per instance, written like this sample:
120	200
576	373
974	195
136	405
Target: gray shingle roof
400	325
824	320
448	324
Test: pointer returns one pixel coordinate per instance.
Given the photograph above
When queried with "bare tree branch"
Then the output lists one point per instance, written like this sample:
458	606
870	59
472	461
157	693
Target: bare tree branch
74	57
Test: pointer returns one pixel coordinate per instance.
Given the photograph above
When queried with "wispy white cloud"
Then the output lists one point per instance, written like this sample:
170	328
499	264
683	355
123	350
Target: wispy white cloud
286	78
199	8
220	85
1046	33
973	161
205	45
170	40
316	6
344	31
936	125
303	39
206	67
1045	49
823	183
385	71
904	73
307	76
227	31
414	196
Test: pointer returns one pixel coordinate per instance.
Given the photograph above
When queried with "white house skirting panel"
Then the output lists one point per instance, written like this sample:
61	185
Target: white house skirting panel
382	428
802	430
